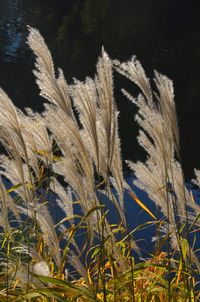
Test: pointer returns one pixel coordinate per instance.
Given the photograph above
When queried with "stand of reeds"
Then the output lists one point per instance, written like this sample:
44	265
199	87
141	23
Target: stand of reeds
61	170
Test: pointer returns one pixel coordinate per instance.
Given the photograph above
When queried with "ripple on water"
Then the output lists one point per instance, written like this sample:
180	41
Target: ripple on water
11	28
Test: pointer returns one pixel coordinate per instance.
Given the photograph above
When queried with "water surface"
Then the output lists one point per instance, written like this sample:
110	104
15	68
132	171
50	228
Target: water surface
164	35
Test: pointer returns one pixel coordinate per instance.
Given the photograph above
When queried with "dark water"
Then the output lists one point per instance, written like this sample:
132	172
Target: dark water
165	35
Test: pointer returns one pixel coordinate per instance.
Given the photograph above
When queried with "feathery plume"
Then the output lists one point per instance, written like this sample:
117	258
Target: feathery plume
54	90
160	176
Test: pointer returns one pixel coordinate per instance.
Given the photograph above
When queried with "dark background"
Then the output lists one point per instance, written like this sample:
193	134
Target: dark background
164	35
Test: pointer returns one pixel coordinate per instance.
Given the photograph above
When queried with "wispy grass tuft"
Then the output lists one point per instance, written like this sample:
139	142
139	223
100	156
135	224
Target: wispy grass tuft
69	163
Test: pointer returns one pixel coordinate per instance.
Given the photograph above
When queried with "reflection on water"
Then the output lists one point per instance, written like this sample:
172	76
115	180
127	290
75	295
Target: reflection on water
165	35
11	29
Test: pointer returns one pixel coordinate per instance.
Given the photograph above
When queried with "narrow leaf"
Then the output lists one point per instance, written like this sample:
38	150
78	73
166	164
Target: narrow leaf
140	203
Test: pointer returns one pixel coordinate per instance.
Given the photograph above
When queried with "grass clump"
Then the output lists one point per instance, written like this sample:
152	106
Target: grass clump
67	160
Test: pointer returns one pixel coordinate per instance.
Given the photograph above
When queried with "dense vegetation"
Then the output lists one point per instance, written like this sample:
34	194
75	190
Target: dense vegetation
69	158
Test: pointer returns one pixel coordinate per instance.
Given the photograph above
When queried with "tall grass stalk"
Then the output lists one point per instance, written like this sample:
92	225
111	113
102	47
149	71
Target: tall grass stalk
68	158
